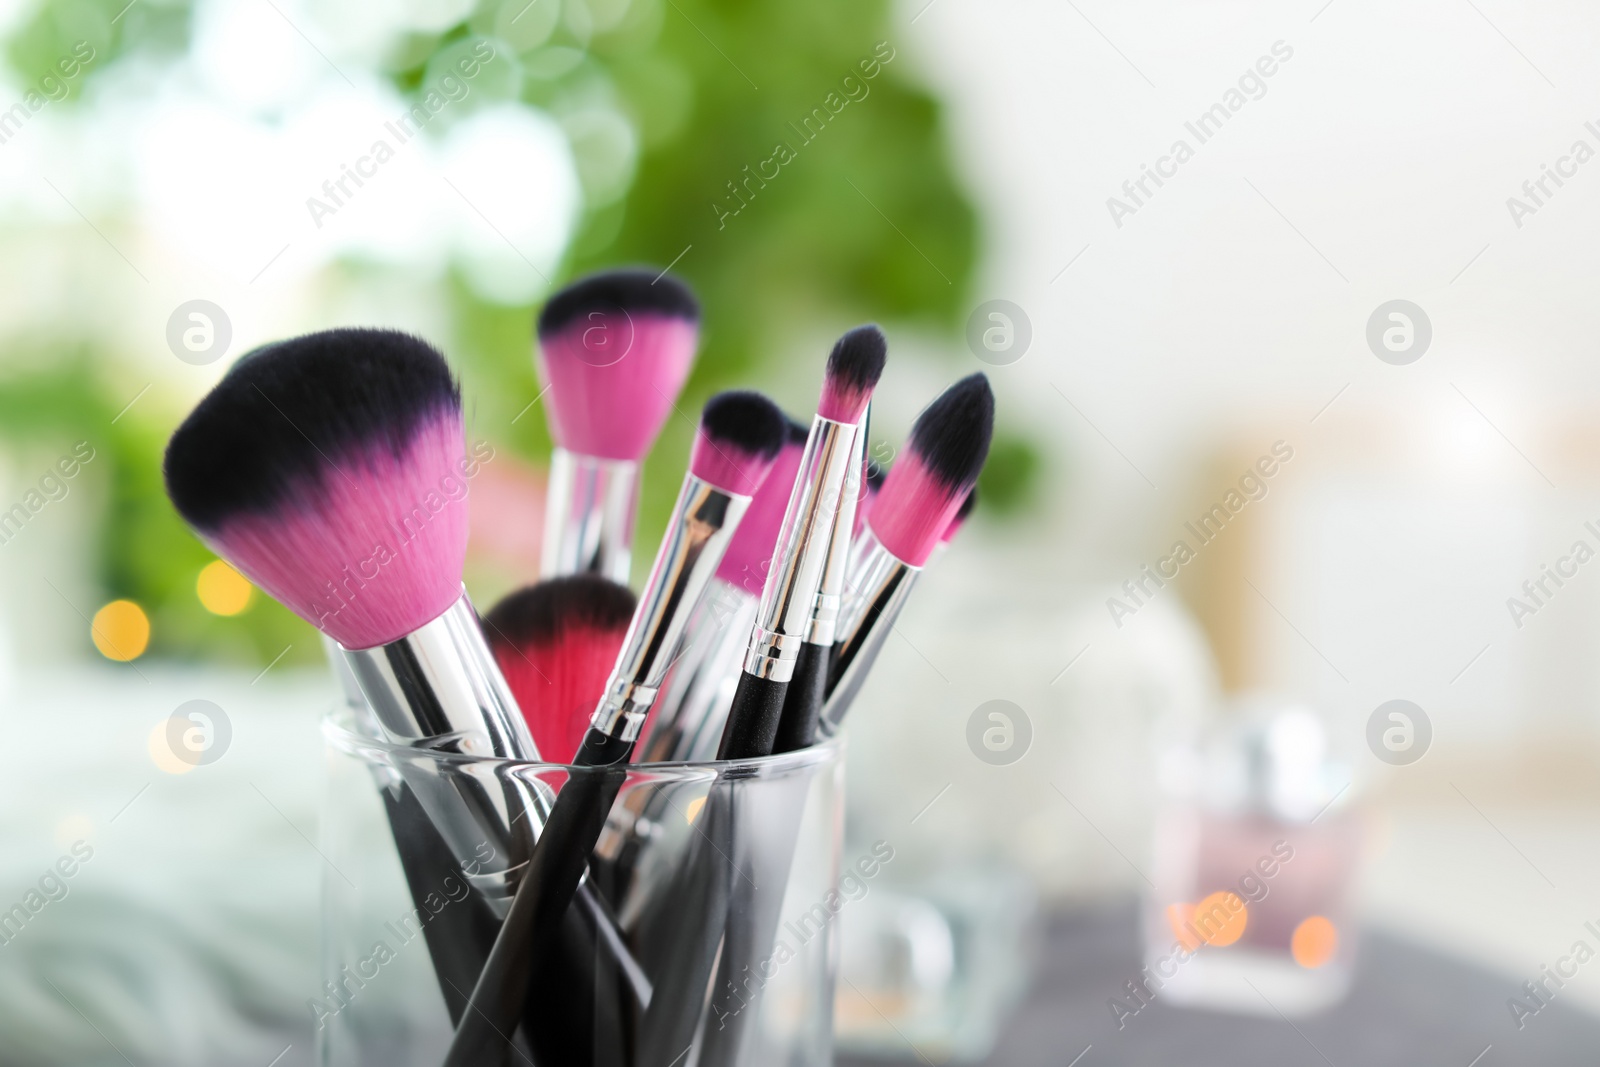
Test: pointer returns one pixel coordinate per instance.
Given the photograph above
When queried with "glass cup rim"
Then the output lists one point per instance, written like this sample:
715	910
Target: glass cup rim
338	730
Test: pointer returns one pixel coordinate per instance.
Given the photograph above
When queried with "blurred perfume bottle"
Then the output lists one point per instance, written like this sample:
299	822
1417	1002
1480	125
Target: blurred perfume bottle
1256	855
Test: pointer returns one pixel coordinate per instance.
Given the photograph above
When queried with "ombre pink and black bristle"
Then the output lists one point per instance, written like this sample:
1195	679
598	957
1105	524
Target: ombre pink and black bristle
854	367
739	437
556	642
937	471
961	516
749	554
327	469
616	348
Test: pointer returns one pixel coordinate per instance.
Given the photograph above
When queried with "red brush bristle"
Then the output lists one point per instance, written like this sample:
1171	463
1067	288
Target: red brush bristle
556	643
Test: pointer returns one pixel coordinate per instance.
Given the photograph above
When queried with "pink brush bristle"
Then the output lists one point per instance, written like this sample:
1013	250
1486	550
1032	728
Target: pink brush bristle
871	486
960	517
616	348
330	470
744	564
556	643
933	477
740	435
854	367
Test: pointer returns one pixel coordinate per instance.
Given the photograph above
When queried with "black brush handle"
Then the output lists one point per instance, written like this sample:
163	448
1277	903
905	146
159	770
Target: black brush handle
802	701
460	936
753	719
533	924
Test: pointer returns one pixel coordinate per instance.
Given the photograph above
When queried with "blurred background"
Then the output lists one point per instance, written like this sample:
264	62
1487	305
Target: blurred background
1283	543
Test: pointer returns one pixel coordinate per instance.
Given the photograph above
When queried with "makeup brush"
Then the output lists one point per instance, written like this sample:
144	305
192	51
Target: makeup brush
802	701
614	351
788	597
924	492
556	642
686	722
330	470
740	436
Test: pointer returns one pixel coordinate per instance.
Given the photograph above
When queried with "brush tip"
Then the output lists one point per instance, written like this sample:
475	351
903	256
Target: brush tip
740	435
556	643
854	367
614	351
548	611
629	290
329	470
952	434
937	471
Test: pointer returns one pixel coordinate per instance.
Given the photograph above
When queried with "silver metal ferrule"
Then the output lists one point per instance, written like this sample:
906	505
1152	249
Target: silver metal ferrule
829	603
439	688
589	511
697	535
698	690
441	682
878	585
800	556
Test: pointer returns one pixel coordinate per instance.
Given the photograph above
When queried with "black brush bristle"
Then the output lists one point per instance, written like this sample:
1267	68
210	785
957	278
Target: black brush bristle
967	505
279	421
796	433
632	289
542	613
746	420
858	358
876	473
952	433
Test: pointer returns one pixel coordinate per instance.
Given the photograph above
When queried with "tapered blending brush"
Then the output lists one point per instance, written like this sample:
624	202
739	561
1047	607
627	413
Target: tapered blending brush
614	351
556	642
740	436
686	722
800	556
925	491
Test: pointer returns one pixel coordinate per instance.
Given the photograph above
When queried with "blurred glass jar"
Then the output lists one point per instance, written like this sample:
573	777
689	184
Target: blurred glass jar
1256	855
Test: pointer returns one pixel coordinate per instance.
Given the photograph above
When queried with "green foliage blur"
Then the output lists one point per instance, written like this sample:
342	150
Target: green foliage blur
857	216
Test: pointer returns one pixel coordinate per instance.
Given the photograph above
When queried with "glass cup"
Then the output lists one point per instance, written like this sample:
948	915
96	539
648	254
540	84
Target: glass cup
703	934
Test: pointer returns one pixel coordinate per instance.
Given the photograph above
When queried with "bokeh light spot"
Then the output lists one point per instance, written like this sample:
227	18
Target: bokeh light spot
120	630
1220	918
1315	941
223	590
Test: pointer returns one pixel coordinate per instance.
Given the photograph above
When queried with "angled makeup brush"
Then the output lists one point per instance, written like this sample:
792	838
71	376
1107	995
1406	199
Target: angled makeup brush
789	594
740	436
614	351
556	642
921	496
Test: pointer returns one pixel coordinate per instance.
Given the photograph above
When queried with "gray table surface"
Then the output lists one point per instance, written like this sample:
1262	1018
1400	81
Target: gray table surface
1410	1006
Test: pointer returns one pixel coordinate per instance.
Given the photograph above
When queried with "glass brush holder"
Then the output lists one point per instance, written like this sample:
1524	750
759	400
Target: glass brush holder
702	934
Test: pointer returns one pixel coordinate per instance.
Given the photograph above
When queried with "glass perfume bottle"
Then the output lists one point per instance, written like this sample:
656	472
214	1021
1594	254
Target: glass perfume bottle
1256	855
